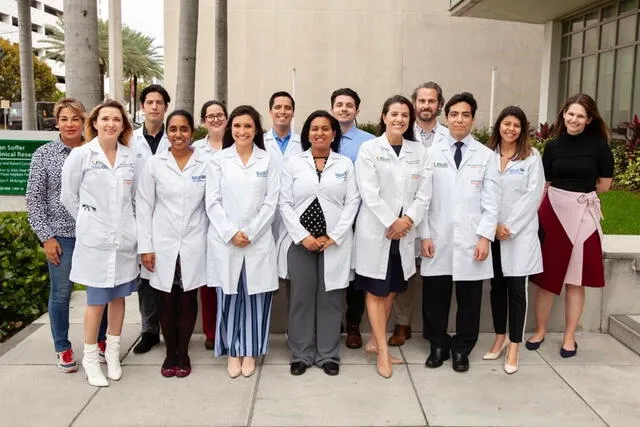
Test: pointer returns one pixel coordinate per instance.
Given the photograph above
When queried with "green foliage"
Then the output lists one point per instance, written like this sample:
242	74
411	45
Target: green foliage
629	177
620	210
199	133
24	277
482	135
45	81
370	127
139	55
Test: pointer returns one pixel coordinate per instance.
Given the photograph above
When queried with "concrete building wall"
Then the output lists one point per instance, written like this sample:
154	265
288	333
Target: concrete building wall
379	48
42	15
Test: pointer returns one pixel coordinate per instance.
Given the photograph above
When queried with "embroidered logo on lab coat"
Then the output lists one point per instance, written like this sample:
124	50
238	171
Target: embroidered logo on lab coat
440	165
199	178
341	175
98	164
261	174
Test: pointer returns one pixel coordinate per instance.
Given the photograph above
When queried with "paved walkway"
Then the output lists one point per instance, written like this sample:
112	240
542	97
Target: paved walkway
599	387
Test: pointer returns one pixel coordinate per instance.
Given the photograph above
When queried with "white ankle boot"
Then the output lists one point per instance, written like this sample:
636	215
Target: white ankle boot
91	365
112	355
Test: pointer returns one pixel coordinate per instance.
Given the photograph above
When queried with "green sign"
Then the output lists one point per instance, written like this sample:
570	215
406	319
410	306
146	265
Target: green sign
15	158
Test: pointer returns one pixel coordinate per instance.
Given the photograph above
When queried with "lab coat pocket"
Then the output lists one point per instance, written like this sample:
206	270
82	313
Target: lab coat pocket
95	231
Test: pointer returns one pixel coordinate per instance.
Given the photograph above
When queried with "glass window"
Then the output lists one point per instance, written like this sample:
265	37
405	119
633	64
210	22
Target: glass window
577	24
591	40
562	82
608	36
608	12
576	44
605	85
626	5
627	30
589	73
623	86
566	27
564	48
592	18
573	85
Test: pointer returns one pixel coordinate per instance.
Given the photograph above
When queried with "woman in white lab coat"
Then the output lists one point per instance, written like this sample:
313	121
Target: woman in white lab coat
241	199
395	185
318	203
516	248
98	186
214	117
172	236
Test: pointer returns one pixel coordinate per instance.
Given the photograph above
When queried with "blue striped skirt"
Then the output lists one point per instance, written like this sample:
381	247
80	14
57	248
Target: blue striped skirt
243	322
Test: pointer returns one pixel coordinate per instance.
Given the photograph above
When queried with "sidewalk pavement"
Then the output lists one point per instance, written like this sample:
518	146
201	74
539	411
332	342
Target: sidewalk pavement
598	387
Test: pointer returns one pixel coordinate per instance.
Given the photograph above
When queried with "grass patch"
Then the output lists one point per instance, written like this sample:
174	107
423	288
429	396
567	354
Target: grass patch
621	211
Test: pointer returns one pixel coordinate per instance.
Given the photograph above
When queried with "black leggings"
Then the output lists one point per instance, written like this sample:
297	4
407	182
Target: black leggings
177	311
508	294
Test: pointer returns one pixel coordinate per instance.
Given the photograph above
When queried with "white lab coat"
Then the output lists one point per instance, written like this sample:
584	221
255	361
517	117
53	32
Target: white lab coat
241	198
463	208
203	146
294	147
522	183
387	185
142	150
337	192
100	198
172	220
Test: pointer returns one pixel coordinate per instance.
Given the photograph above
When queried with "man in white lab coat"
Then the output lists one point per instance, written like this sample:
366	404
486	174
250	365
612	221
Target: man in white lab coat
428	102
148	140
461	223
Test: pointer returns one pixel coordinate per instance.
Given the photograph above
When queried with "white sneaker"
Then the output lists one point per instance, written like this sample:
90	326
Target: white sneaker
66	362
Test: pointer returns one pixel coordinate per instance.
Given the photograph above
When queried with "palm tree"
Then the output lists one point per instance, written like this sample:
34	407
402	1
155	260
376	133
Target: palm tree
26	67
187	42
221	51
140	58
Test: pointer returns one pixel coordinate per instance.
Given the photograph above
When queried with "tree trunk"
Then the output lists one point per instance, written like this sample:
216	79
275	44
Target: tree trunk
115	51
82	66
221	91
187	43
28	89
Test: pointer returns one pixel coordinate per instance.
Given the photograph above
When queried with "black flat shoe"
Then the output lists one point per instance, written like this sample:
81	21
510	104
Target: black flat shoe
297	368
533	345
331	368
147	341
437	357
568	353
460	362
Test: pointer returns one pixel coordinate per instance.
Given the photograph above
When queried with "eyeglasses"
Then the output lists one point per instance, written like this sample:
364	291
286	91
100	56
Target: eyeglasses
212	117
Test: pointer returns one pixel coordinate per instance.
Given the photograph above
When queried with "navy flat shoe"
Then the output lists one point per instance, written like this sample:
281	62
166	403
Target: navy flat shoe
568	353
533	345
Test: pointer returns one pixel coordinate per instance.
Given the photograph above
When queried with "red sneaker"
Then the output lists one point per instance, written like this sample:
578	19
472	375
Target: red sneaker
102	346
66	363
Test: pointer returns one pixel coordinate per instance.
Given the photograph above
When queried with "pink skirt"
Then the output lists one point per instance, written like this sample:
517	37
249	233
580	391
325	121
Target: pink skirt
571	242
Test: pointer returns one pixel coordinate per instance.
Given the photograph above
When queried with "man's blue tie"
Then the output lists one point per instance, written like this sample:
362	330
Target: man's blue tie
457	157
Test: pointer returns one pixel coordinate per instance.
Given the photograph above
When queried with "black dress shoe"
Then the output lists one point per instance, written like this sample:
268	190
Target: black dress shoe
297	368
568	353
147	341
437	357
533	345
460	362
331	368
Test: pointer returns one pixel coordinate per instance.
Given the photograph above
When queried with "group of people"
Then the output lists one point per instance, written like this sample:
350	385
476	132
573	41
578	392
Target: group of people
331	214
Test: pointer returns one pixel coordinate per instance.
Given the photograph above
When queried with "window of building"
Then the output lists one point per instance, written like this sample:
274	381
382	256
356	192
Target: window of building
600	56
52	11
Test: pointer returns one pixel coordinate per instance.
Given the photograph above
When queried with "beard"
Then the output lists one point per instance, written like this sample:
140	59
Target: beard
428	115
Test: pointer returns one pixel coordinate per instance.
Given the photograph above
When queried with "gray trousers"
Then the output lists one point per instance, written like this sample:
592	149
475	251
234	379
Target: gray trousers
315	315
148	304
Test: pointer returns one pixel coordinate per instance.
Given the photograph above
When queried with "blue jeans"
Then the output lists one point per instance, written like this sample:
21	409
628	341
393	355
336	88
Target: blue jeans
60	295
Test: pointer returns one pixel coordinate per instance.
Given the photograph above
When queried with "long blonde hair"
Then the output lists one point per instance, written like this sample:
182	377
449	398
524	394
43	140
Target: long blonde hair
90	130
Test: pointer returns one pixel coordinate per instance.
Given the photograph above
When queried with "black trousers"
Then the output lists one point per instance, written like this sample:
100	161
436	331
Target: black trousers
436	303
508	295
355	304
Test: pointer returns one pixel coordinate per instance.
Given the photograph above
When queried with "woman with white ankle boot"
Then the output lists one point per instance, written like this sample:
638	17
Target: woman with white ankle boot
98	186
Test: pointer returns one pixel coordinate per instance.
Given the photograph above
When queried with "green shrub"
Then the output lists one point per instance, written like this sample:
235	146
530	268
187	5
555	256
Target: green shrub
199	133
629	178
370	127
24	276
482	135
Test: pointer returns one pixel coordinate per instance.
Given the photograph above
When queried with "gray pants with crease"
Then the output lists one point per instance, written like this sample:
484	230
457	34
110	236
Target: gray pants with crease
315	315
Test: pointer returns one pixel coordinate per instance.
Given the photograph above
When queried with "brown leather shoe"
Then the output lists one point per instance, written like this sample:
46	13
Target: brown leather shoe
354	339
401	333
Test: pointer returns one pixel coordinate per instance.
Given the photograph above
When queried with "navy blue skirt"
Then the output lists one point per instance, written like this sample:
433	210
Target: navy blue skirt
394	282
